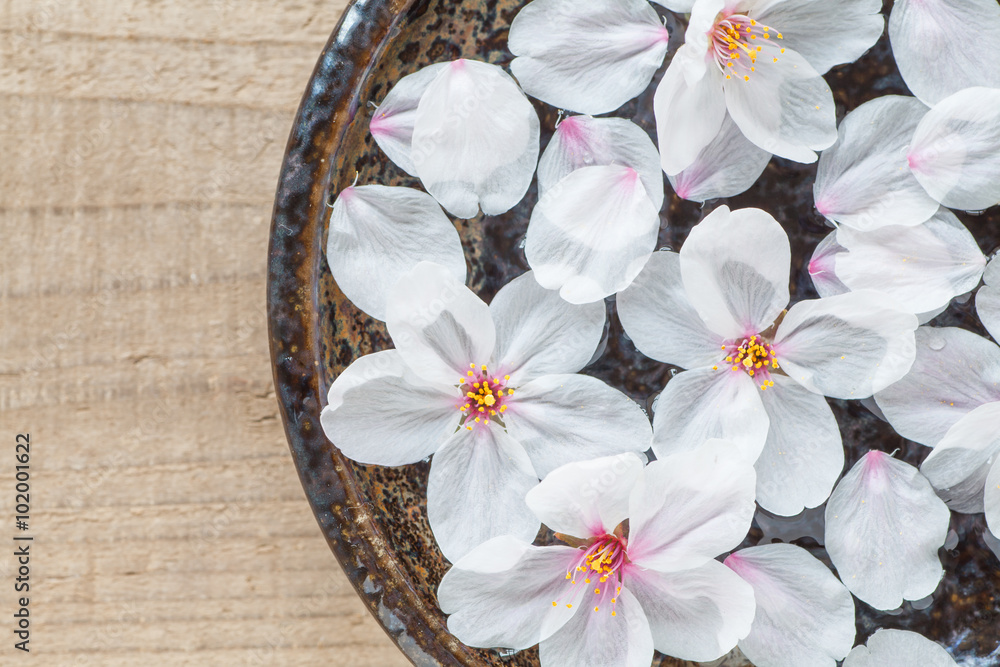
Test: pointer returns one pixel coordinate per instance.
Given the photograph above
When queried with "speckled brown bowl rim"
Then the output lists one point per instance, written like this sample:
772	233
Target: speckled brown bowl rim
294	264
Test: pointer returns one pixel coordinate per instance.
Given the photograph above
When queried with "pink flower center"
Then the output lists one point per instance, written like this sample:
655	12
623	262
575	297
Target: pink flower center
484	397
754	356
600	566
736	42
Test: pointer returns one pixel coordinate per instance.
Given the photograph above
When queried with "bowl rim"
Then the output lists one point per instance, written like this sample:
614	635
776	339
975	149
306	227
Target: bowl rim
295	263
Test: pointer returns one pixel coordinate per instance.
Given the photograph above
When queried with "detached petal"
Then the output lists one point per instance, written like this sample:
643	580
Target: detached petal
704	403
823	267
988	299
803	456
588	498
591	234
563	418
955	371
377	234
539	333
960	463
585	141
690	507
846	346
476	489
376	416
992	499
939	45
501	593
475	139
921	268
696	614
438	325
805	616
589	57
825	41
689	114
884	526
392	123
658	316
955	153
785	107
735	267
728	166
863	181
899	648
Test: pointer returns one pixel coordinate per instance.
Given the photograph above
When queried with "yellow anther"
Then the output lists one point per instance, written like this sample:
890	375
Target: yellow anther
490	400
506	377
470	373
477	420
597	591
614	613
597	609
503	408
555	604
569	606
484	368
469	427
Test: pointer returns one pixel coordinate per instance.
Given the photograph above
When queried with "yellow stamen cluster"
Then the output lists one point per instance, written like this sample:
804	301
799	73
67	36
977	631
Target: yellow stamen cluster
754	357
733	41
483	395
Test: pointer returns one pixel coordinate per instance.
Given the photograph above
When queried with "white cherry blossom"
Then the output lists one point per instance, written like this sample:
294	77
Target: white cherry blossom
490	392
899	648
638	572
758	375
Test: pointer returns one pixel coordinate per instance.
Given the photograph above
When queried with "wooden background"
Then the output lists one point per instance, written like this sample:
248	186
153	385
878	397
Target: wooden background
141	142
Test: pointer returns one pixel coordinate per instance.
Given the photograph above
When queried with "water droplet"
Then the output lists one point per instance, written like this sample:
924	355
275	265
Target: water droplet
666	248
951	541
936	343
674	371
589	159
506	653
522	242
923	603
653	401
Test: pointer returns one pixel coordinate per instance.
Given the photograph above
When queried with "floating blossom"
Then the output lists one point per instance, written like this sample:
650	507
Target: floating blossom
590	57
899	648
863	181
939	45
378	234
805	616
884	526
955	151
716	308
489	391
921	268
714	173
466	130
638	572
762	61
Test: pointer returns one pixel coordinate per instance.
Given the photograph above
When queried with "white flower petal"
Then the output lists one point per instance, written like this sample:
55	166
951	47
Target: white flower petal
438	325
863	181
726	167
689	507
375	416
939	45
501	593
392	123
679	6
588	498
585	141
899	648
884	526
805	616
378	233
591	234
921	268
696	614
807	27
539	333
703	403
823	267
476	489
846	346
785	107
658	316
803	456
563	418
960	463
689	115
955	371
595	638
475	139
988	299
955	153
589	57
735	267
992	498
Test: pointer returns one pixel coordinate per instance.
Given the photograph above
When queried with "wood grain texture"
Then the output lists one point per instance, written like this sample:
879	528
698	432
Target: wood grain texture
141	144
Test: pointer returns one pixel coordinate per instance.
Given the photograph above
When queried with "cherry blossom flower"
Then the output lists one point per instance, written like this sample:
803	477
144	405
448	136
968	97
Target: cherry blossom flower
899	648
490	392
758	375
762	61
589	57
805	616
466	130
884	526
637	571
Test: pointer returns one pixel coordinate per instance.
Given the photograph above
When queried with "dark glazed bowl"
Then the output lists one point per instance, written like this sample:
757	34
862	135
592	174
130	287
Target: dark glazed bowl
374	518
